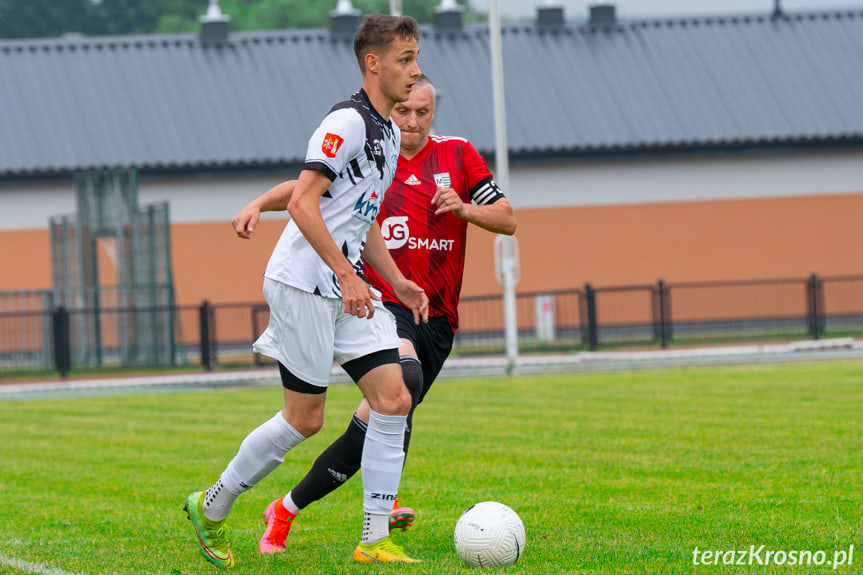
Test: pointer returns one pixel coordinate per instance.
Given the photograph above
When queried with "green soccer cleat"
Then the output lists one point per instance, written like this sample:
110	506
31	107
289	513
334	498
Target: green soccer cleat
212	535
384	551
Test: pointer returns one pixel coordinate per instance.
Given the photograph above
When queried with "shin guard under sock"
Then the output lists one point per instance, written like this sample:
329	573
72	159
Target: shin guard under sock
338	463
382	462
259	454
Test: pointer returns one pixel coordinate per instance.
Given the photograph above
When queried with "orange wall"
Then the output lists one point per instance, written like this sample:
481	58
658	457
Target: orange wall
25	260
687	241
211	262
560	248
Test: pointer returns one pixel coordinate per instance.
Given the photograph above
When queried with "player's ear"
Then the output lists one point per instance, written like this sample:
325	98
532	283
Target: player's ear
372	63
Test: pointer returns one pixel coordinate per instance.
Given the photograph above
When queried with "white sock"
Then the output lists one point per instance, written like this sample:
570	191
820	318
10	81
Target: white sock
289	504
260	453
382	462
217	501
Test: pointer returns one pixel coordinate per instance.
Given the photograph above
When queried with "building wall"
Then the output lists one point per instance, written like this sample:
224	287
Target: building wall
688	241
680	179
608	223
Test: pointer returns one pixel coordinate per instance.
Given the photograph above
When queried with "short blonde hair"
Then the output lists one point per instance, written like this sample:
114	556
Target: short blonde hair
424	80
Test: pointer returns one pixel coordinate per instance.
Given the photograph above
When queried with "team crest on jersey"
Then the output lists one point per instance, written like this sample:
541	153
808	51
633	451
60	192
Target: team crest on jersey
331	144
442	180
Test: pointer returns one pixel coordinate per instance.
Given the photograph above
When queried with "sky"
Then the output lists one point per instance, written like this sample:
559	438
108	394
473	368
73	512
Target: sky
519	9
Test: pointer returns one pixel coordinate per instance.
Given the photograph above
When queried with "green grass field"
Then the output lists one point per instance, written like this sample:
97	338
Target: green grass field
624	472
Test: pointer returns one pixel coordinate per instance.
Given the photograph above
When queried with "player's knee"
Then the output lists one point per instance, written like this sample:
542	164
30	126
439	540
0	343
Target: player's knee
310	428
304	403
397	402
402	402
307	424
412	373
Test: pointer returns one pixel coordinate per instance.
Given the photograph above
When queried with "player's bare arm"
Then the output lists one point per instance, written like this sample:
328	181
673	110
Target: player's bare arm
497	218
409	293
273	200
304	208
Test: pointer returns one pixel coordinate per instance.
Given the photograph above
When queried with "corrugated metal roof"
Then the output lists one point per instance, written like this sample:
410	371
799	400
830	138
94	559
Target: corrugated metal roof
173	103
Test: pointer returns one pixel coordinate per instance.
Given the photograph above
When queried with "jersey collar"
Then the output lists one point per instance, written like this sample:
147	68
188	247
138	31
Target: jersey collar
368	101
420	156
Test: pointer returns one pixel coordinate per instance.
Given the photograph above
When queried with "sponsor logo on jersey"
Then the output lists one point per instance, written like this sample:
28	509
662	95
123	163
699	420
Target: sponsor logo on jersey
413	181
331	144
442	180
367	207
395	231
430	244
397	234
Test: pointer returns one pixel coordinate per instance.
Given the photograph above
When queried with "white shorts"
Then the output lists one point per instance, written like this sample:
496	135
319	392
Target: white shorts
307	332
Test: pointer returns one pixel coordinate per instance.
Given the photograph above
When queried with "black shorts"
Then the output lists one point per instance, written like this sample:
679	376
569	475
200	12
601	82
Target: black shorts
356	368
432	340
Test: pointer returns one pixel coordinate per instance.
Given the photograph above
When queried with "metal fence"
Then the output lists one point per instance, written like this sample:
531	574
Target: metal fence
26	341
37	336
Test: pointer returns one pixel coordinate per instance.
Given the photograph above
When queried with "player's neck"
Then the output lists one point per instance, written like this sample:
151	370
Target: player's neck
413	152
381	103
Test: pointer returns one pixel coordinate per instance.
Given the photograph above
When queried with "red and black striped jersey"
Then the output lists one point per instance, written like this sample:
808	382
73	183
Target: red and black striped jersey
429	249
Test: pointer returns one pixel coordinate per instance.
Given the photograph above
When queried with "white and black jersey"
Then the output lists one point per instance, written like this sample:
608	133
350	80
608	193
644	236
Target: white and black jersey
357	149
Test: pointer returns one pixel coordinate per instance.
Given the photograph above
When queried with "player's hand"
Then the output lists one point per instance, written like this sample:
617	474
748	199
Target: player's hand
244	223
414	297
357	296
447	200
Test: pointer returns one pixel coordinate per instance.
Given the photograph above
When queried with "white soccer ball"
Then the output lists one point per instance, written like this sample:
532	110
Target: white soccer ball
489	534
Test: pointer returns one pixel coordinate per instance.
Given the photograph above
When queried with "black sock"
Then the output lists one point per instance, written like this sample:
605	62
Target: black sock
412	373
338	463
341	460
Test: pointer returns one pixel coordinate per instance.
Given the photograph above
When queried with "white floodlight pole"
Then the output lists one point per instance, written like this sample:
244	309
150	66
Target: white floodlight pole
395	7
505	245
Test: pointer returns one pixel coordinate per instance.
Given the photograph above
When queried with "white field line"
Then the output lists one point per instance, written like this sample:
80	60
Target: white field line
495	365
28	567
145	381
719	351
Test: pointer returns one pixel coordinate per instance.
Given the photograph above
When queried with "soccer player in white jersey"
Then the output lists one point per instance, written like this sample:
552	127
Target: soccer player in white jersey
322	309
441	185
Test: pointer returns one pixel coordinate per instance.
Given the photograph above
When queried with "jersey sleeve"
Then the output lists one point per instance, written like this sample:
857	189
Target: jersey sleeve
338	139
483	189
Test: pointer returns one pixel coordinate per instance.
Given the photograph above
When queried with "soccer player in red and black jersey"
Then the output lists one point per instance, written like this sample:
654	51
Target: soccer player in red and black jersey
441	185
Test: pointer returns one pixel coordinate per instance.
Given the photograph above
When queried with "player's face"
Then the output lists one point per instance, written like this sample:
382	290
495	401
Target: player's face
414	119
399	69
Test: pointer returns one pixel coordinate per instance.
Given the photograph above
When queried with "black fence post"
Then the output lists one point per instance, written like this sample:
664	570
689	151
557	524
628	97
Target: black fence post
62	340
592	327
662	321
815	313
205	314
